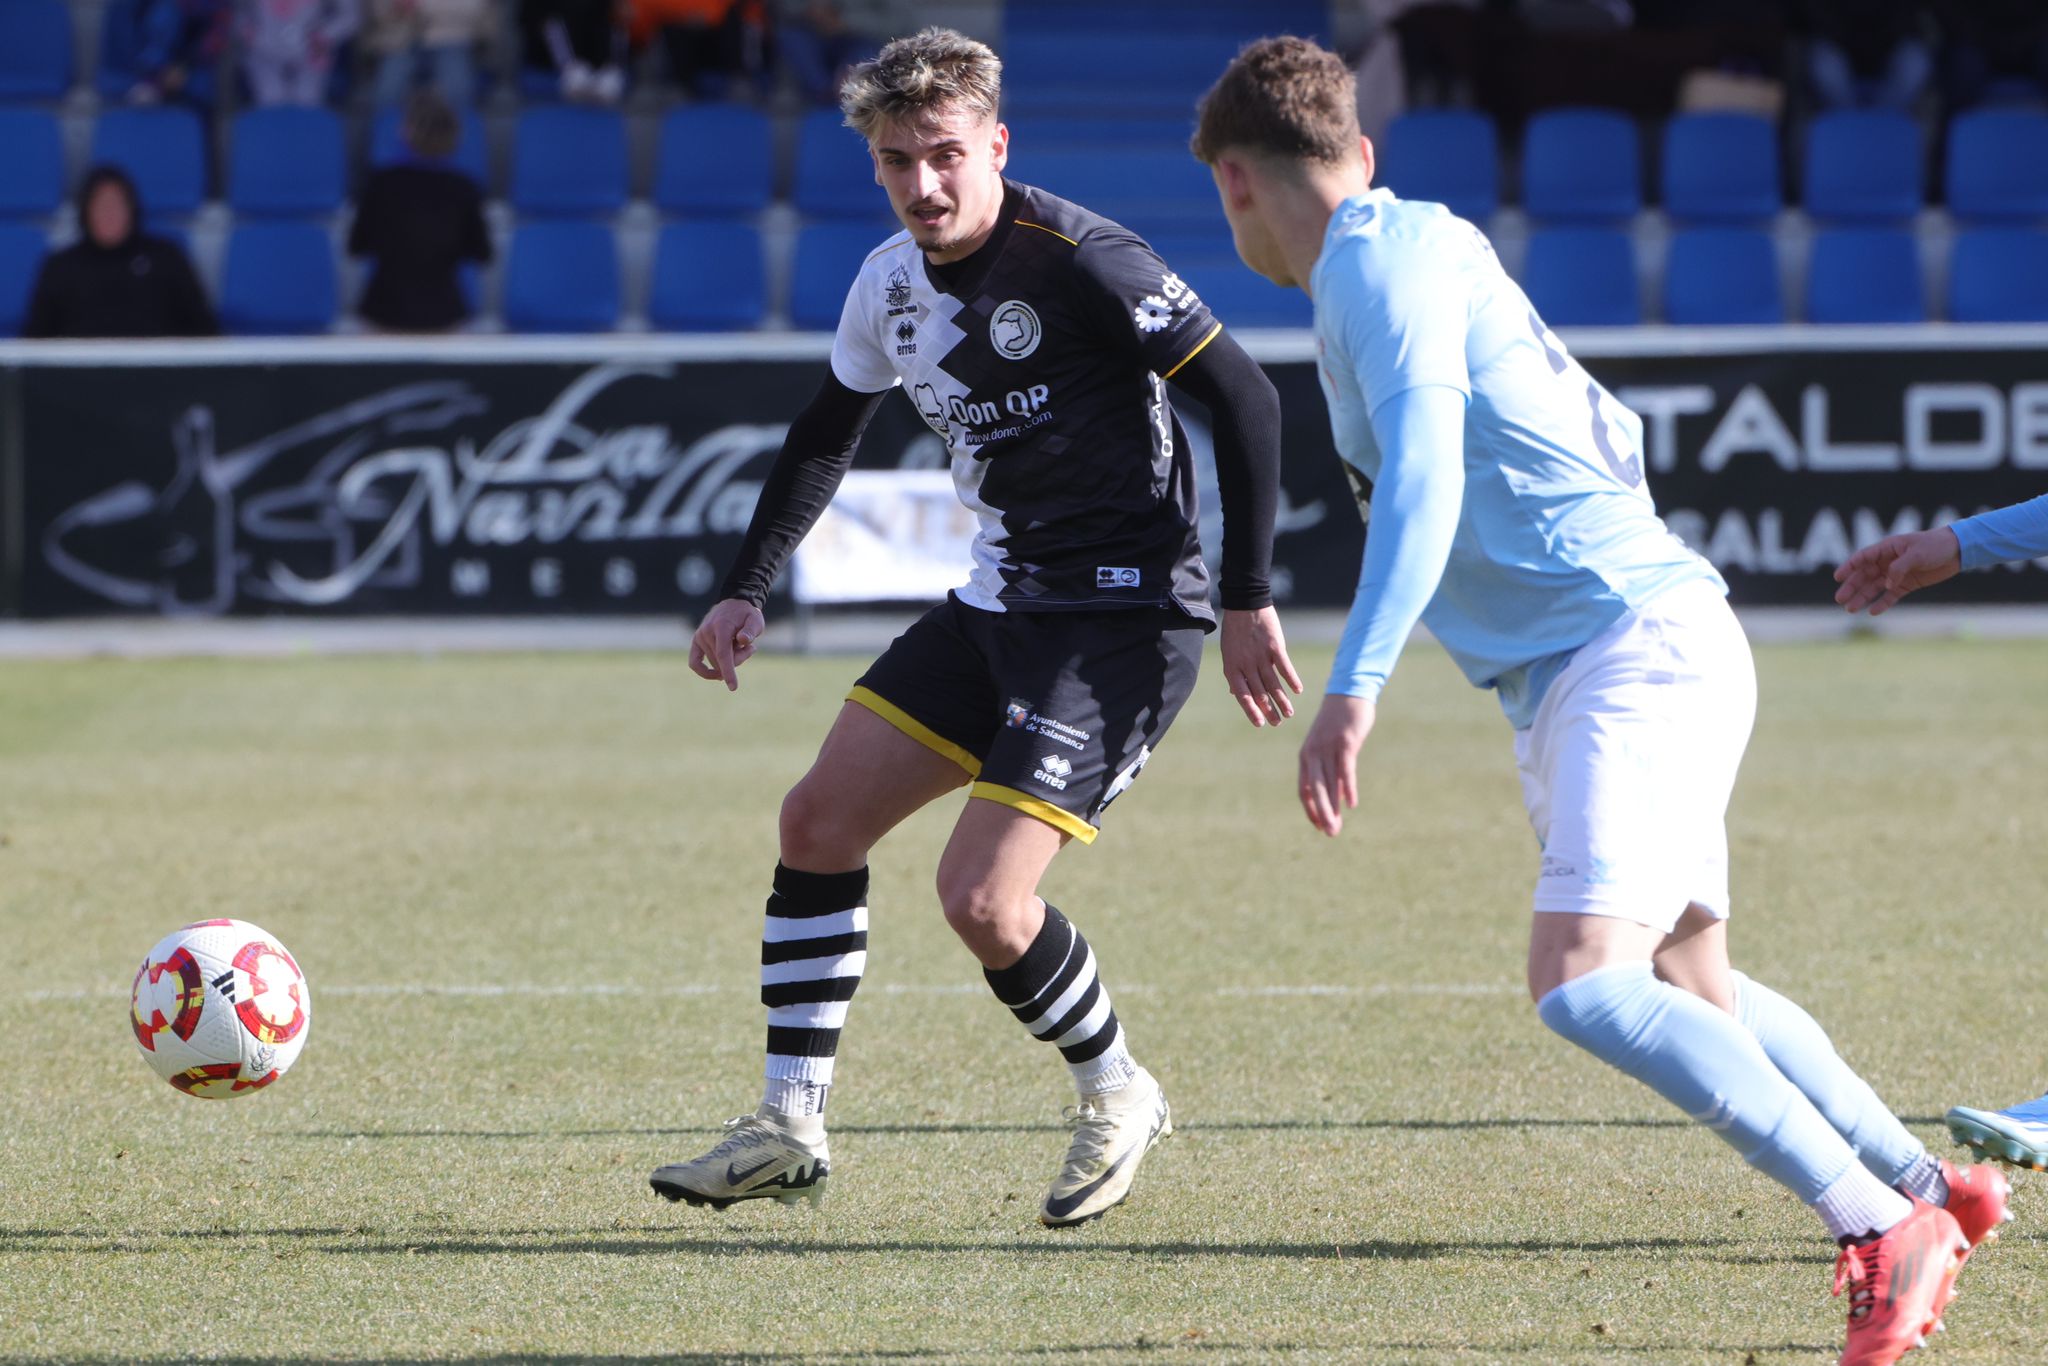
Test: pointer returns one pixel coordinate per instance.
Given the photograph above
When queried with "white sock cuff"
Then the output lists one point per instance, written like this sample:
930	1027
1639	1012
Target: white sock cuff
1858	1203
1110	1070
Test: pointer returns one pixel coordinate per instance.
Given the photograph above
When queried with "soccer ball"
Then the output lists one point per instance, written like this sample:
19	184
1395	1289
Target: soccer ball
220	1009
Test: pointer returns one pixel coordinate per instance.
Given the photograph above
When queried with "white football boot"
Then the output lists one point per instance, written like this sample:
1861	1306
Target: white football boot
1112	1134
764	1156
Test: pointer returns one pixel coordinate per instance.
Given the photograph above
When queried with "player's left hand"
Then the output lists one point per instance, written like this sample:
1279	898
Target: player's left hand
1256	667
1329	759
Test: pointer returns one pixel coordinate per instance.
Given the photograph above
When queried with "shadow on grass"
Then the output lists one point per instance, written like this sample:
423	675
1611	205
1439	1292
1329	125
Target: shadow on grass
1176	1346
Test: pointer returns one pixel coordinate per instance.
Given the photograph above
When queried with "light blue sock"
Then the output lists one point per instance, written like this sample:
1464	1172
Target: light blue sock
1704	1062
1800	1049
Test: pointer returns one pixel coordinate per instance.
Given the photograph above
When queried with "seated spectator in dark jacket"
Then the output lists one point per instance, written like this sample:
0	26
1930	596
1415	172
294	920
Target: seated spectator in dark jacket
419	221
117	281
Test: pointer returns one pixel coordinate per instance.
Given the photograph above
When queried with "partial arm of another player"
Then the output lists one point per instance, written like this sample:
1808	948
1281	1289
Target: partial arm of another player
1246	410
1415	507
1878	575
815	456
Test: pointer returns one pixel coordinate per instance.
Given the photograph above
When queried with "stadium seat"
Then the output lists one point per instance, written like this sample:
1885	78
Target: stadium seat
21	256
1863	165
1999	275
562	277
835	176
1582	166
1448	156
1157	70
569	161
278	280
1240	299
1078	132
35	49
715	159
287	162
1721	168
1722	275
828	256
1583	277
31	164
708	277
472	158
163	150
1232	18
1151	191
1865	275
1998	165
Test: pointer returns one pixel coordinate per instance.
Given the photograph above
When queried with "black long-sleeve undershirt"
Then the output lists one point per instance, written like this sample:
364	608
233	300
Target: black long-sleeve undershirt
1246	411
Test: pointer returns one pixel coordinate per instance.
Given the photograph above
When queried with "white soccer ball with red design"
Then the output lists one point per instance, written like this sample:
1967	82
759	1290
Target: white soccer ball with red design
220	1009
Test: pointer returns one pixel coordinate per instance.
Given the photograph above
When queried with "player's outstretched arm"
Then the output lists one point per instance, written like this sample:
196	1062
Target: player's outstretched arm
1246	414
1877	576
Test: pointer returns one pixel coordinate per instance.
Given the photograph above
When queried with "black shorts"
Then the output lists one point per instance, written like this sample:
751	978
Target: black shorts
1053	713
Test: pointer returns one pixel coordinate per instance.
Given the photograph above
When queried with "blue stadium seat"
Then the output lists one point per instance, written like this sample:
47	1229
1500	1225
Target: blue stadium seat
835	176
1150	191
287	163
716	159
163	150
21	256
708	277
1583	277
31	164
1999	275
1582	166
1722	275
1449	156
472	158
35	49
1138	18
1998	165
1161	69
828	256
1240	299
562	277
278	280
1721	168
1078	132
1863	165
1865	275
569	161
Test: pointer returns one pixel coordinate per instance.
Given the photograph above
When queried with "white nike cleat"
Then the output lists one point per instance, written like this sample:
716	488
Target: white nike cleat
764	1156
1112	1134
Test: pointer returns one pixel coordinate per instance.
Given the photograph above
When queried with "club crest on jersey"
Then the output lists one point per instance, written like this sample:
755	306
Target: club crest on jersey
1016	715
896	293
1014	330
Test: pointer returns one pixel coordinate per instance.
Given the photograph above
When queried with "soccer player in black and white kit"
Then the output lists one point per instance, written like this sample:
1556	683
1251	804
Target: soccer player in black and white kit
1036	339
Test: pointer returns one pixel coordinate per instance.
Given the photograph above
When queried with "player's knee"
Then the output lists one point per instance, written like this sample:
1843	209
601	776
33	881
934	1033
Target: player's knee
977	910
819	833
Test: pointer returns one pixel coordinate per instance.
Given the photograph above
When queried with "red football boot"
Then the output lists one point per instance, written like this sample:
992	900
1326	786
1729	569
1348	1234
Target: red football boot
1977	1198
1899	1285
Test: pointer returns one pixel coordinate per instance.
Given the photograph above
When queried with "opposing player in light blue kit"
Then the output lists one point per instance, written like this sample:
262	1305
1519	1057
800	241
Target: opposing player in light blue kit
1873	580
1509	514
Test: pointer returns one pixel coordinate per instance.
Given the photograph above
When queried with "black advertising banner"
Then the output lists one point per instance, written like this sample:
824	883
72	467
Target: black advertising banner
621	482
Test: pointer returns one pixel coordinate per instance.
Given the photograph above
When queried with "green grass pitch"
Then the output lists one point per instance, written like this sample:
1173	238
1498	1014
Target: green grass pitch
527	892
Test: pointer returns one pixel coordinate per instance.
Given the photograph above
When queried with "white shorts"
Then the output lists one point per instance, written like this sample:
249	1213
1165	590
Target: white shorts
1627	768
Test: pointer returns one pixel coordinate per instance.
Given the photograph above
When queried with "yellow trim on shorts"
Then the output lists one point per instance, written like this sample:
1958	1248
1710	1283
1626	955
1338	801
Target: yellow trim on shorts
1196	352
1053	816
1024	223
914	728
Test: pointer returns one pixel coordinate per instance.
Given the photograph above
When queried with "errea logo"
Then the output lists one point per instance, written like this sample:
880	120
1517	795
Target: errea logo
1052	770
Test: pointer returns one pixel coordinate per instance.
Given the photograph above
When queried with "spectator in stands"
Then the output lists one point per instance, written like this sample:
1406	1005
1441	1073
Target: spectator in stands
117	281
580	42
289	46
440	36
819	39
1866	54
710	43
154	51
1993	44
418	221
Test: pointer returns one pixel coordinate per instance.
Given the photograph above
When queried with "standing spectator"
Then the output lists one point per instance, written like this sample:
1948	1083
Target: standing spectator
1866	54
289	46
819	39
117	281
709	42
579	41
418	221
439	35
152	51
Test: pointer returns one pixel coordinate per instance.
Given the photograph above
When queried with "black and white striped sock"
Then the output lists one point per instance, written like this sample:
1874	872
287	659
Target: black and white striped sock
1054	990
814	944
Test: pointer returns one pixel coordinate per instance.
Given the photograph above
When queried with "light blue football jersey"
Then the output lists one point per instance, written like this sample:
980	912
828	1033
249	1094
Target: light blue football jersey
1557	537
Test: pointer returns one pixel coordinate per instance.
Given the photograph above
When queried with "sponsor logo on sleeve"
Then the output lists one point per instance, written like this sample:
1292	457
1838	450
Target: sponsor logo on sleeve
1152	314
1107	576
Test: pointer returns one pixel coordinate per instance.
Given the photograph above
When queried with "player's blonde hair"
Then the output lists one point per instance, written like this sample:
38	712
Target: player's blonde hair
1284	98
915	77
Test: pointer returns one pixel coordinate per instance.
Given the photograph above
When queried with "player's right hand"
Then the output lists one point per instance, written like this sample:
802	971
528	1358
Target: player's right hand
725	640
1329	759
1878	575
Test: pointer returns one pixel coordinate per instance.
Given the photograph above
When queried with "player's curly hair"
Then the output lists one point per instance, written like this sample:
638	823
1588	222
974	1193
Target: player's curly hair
1283	97
916	76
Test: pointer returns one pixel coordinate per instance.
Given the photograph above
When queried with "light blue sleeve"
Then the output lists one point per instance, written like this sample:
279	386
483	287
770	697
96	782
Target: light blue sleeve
2019	532
1416	504
1404	312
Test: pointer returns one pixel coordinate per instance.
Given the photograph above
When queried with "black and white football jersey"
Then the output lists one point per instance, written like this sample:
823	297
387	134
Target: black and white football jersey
1040	361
